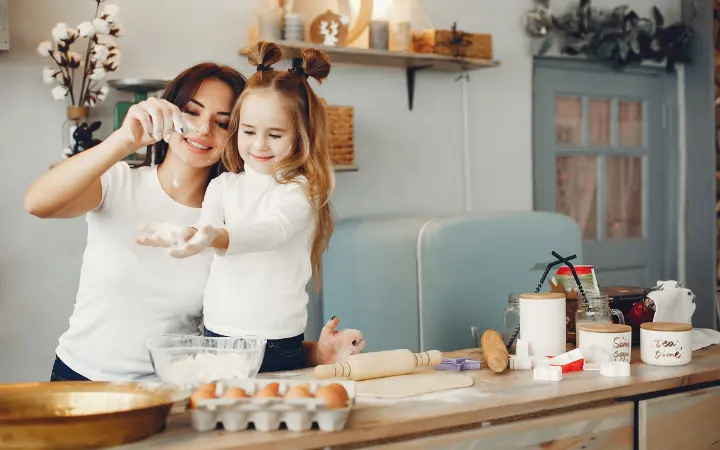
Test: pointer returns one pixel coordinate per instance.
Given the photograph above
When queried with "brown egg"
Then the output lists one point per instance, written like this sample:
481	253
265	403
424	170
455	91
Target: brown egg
207	387
332	396
200	394
299	391
340	389
270	390
235	392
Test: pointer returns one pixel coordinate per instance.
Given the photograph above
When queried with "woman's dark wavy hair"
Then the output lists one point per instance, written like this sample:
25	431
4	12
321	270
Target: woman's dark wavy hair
182	89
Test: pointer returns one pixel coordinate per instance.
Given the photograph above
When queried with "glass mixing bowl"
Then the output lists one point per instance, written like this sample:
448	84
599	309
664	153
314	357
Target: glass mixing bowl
190	361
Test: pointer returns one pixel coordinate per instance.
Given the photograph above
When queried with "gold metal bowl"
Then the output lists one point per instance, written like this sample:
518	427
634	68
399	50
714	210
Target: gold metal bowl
80	415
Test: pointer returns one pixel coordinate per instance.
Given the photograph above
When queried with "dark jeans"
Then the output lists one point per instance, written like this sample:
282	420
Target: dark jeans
280	354
61	372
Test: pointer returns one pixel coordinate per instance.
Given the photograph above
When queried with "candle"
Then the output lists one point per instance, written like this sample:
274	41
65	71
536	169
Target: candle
379	34
402	37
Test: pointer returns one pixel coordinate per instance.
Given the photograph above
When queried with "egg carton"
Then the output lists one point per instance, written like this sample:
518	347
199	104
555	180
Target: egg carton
267	414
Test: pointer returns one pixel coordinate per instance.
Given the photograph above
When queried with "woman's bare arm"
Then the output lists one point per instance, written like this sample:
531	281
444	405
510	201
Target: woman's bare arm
72	188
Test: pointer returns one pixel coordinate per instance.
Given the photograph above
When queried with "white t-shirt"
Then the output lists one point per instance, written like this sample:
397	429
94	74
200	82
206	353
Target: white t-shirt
128	293
257	287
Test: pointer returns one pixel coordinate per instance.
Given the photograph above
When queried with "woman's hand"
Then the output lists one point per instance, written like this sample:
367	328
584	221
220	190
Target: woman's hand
153	120
181	241
334	346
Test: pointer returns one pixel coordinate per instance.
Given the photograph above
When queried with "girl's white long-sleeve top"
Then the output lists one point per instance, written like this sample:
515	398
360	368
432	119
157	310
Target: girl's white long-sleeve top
258	286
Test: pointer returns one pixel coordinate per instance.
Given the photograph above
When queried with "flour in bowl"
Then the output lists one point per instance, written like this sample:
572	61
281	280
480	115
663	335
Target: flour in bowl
208	367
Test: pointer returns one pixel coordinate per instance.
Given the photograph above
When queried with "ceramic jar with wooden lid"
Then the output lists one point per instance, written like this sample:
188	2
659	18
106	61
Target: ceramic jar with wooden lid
604	342
542	323
666	343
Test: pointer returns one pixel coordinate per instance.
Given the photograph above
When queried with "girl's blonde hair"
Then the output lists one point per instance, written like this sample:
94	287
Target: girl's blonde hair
310	156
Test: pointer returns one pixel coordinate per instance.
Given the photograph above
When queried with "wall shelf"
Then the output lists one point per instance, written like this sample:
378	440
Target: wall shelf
346	168
411	62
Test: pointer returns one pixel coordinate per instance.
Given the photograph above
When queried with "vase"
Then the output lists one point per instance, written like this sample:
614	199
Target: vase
379	34
270	23
75	116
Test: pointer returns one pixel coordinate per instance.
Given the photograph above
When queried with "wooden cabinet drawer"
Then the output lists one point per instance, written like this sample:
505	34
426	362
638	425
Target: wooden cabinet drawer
602	428
689	420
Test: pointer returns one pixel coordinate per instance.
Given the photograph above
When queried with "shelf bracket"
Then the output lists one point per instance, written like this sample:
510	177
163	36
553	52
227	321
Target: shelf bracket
410	78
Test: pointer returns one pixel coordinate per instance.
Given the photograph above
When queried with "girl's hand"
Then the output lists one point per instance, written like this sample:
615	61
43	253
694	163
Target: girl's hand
152	120
164	235
334	346
181	241
198	241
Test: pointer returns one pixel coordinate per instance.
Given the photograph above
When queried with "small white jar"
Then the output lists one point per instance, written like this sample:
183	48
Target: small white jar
604	342
666	343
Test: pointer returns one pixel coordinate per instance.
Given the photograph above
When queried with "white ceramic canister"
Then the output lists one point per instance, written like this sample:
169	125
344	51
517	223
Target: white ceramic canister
542	323
604	342
294	27
666	343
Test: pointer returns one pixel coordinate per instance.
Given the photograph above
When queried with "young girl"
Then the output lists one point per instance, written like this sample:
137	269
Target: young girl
270	219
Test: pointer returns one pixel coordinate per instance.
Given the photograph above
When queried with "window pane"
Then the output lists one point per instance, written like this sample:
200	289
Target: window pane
568	120
576	191
623	194
599	112
631	124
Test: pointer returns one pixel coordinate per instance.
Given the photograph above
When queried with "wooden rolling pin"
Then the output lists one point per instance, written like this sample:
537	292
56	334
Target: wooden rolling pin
366	366
494	352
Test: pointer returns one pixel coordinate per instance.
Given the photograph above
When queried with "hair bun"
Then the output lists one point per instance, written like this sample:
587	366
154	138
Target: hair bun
264	54
316	63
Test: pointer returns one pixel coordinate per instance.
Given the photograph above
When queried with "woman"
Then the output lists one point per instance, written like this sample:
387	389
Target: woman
129	294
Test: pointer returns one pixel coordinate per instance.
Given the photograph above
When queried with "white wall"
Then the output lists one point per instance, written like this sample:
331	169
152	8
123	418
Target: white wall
409	161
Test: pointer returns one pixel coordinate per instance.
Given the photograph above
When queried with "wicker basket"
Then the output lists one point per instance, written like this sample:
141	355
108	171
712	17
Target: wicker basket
340	130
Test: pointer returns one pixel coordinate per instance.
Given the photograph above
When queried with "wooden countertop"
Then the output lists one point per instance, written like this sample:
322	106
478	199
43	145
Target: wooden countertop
494	398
